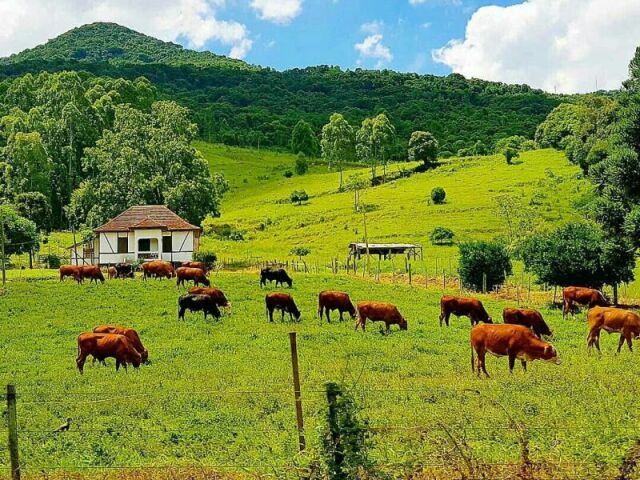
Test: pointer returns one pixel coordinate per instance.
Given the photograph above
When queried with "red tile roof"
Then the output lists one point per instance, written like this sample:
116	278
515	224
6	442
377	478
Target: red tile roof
146	216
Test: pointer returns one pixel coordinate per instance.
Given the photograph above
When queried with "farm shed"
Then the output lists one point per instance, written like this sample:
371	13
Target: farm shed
383	250
140	233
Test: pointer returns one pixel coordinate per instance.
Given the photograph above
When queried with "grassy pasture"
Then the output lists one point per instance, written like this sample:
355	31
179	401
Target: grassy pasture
220	395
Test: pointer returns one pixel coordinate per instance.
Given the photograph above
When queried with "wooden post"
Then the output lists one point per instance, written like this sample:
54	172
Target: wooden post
426	276
75	246
484	283
444	280
296	389
4	266
409	273
13	432
366	241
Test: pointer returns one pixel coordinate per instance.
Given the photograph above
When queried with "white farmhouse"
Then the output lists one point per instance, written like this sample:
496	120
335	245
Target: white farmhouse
140	233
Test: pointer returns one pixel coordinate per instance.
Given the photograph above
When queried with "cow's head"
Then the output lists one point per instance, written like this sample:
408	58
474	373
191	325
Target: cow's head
296	313
205	281
402	323
550	354
352	311
145	357
289	282
135	358
488	320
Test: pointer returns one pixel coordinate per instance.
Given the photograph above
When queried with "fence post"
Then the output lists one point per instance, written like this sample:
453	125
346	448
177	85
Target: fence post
484	283
332	400
296	390
444	280
409	273
13	432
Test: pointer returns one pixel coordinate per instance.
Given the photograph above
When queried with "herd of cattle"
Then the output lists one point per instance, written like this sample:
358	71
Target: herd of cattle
521	336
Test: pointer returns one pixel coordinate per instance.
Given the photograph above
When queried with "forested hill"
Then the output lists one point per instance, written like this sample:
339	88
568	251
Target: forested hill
236	103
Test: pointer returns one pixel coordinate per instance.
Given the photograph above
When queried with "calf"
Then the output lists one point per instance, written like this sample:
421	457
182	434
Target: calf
197	303
283	302
330	300
463	307
611	320
92	272
71	271
191	274
131	335
513	341
279	275
113	273
215	293
106	345
379	312
527	317
582	296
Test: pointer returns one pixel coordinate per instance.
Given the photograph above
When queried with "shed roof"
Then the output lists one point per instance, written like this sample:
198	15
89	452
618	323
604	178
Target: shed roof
384	246
146	216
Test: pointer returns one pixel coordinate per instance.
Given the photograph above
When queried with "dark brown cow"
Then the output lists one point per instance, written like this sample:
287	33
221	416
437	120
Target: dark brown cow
330	300
197	303
379	312
107	345
71	271
215	293
186	274
191	264
612	320
582	296
463	307
283	302
92	272
130	333
527	317
157	269
513	341
113	273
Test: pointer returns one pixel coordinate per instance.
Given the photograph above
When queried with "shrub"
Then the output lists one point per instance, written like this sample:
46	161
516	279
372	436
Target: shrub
52	260
441	236
223	231
298	196
300	251
302	164
481	258
438	195
207	257
288	173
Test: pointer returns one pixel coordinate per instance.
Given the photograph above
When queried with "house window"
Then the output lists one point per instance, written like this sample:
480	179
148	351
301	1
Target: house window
167	244
144	245
123	245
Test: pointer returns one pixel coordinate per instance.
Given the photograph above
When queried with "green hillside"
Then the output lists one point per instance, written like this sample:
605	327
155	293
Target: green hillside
238	104
399	211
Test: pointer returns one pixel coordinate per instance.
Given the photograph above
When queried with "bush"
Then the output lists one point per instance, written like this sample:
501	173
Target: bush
483	258
300	251
441	236
298	196
302	164
52	260
206	257
438	195
223	231
288	173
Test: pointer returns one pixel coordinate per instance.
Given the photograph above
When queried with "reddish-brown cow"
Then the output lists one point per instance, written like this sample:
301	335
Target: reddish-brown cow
113	273
185	274
379	312
131	335
92	272
527	317
582	296
330	300
157	269
283	302
215	293
463	307
612	320
513	341
107	345
71	271
191	264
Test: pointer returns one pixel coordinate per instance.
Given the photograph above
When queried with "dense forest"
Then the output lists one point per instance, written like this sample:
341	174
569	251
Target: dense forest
239	104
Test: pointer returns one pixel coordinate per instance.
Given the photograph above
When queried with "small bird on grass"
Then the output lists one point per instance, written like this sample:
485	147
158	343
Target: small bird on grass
64	427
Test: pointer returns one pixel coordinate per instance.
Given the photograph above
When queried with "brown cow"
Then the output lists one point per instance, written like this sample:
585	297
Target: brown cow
215	293
527	317
513	341
463	307
611	320
379	312
157	269
131	335
113	273
92	272
194	274
330	300
191	264
582	296
106	345
283	302
71	271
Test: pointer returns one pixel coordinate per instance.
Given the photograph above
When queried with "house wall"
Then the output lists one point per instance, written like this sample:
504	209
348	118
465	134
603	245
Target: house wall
183	245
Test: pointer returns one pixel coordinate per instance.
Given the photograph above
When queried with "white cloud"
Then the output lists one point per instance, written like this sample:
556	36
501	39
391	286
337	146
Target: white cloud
372	47
277	11
372	27
563	45
26	23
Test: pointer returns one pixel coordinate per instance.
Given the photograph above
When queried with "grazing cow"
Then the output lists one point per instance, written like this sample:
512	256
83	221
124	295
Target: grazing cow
92	272
283	302
201	265
624	322
329	300
278	275
113	273
218	296
191	274
106	345
124	270
463	307
157	269
379	312
197	303
71	271
131	335
582	296
513	341
527	317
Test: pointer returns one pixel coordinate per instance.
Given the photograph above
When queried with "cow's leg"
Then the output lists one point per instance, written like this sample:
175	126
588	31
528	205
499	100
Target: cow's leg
441	317
524	365
512	362
117	364
181	313
282	317
629	340
271	315
341	316
565	308
80	361
481	365
388	330
620	342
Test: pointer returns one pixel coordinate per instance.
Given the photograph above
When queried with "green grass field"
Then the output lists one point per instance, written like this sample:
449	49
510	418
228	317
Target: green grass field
219	394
